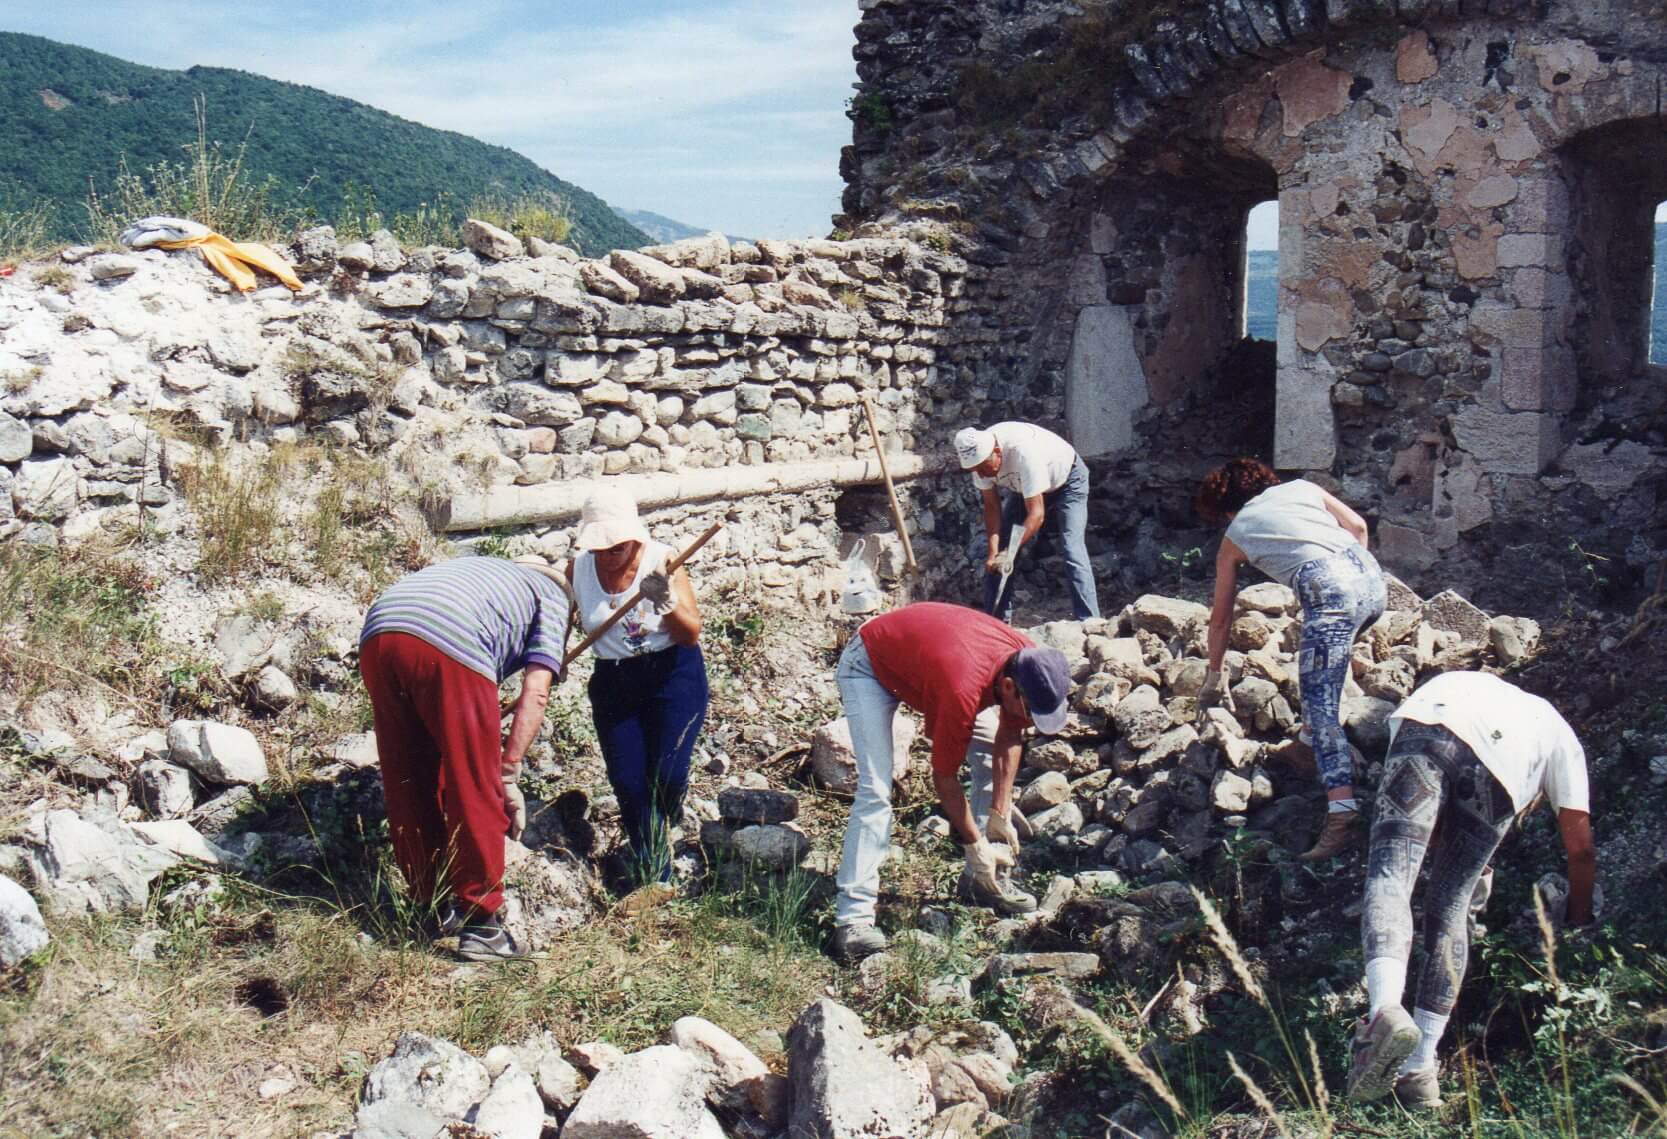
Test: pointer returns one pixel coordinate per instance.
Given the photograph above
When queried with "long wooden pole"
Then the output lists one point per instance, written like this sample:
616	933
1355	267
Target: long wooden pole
670	568
891	489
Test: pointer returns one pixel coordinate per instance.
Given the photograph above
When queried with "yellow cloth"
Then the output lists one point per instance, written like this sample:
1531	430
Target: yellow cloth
229	258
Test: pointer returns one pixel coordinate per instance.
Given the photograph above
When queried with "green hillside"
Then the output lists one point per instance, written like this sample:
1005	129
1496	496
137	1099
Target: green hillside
68	114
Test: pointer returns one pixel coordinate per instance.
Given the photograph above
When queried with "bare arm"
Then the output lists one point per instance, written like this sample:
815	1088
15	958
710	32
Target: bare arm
1346	517
954	803
1034	513
992	519
682	624
1004	766
529	716
1228	560
1576	829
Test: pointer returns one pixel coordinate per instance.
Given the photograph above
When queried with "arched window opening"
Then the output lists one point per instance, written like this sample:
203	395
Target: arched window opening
1658	307
1261	272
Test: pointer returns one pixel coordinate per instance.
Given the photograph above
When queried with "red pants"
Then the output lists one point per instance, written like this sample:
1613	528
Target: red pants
438	739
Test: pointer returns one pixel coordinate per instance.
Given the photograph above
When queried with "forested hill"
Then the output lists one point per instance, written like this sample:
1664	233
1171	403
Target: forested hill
68	114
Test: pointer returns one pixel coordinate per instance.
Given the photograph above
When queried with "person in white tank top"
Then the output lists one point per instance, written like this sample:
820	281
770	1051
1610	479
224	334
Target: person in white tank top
648	694
1301	535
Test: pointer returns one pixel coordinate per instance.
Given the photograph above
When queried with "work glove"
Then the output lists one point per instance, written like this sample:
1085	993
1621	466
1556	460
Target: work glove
656	589
1214	694
515	804
984	862
1000	829
1003	563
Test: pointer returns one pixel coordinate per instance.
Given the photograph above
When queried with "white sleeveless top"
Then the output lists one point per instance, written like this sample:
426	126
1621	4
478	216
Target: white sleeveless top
638	632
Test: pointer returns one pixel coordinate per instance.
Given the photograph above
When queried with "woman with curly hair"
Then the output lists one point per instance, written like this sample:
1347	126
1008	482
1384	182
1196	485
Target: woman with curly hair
1304	537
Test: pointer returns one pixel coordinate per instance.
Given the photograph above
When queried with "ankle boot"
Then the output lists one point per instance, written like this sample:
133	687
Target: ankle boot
1341	831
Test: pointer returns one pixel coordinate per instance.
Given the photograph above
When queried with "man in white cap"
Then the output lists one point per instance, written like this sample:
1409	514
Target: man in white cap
1045	476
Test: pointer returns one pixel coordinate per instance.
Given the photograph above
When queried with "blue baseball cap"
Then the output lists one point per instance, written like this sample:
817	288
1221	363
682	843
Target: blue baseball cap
1045	680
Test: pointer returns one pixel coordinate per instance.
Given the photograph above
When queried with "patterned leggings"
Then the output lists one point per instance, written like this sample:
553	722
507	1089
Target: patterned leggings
1340	595
1431	776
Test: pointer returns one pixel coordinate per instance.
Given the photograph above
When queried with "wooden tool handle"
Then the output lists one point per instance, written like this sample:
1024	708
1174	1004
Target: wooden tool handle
891	490
668	569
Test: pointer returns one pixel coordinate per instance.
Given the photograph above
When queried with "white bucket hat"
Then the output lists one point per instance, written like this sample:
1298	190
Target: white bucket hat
609	517
973	446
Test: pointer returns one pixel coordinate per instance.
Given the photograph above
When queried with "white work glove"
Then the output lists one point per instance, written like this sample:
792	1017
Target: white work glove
1004	561
1000	829
984	861
1214	694
656	589
515	804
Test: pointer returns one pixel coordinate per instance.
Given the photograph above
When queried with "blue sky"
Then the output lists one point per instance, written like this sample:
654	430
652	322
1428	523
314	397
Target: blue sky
726	114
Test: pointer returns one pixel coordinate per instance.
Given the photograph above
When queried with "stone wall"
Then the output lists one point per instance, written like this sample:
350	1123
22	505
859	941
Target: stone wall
1465	195
499	385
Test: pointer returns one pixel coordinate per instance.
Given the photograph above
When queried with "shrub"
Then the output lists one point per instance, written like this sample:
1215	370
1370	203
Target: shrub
211	188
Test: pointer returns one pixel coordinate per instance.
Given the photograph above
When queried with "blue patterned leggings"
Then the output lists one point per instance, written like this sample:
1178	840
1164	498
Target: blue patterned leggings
1340	595
1430	777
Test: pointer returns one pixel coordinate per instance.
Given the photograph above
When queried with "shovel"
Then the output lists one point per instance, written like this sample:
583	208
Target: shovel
910	569
1013	537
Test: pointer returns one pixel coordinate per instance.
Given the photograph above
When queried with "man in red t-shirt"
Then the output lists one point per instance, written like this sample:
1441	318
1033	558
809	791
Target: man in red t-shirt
948	663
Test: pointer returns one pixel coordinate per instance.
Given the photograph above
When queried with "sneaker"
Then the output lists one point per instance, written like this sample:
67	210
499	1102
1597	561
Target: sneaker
854	942
487	941
1381	1045
1010	901
1418	1091
1341	831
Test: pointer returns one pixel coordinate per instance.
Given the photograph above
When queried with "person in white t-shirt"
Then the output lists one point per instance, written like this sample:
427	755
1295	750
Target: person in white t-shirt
1468	753
1044	477
1305	538
648	694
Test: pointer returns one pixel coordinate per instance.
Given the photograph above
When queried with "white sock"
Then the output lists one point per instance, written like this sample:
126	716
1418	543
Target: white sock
1431	1026
1386	980
1338	806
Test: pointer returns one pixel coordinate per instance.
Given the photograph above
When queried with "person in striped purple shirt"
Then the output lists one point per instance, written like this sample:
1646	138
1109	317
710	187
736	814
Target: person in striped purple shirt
435	646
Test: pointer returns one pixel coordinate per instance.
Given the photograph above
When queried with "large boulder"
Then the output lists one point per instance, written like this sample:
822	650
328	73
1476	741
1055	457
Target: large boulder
658	1093
433	1074
1168	616
218	753
742	805
845	1086
1449	611
736	1079
22	932
512	1109
545	896
91	865
834	761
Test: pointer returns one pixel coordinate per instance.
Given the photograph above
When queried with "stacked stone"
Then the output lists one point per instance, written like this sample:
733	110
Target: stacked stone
754	833
1137	783
840	1083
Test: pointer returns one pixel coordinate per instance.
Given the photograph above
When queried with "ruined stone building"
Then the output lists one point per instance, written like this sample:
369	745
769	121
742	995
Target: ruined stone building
1465	190
1044	218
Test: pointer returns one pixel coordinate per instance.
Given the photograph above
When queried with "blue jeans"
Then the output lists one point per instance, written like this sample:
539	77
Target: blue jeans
1067	509
1340	595
648	711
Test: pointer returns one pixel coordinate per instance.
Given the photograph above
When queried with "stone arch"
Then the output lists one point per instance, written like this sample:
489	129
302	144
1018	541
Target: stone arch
1157	288
1616	175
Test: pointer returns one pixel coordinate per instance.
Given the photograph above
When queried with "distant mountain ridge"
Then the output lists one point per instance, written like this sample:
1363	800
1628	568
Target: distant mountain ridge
661	228
68	114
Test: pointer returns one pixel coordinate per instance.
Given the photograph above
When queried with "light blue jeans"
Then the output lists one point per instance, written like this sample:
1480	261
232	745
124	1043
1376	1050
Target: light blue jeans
870	710
1340	595
1067	511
